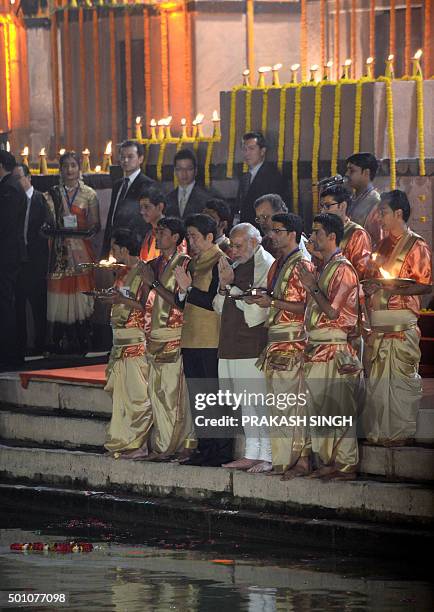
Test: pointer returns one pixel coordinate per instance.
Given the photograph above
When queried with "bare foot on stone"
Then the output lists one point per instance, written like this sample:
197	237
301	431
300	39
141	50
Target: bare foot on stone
262	467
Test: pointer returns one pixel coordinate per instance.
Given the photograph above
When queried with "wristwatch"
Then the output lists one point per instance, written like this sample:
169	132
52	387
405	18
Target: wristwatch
155	284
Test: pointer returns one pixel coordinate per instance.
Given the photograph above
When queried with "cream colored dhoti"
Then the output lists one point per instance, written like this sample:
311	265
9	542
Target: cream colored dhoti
332	394
168	395
394	387
284	375
127	383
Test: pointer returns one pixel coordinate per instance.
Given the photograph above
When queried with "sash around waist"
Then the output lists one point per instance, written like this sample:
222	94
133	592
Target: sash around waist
286	333
392	320
327	336
128	336
165	334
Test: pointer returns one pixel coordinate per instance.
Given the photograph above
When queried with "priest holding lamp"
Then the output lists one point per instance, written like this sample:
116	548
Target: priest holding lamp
400	273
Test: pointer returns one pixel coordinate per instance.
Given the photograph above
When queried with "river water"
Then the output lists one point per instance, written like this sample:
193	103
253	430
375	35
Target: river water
168	569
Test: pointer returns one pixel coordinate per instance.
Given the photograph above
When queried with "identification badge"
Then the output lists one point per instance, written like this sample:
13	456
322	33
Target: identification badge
70	221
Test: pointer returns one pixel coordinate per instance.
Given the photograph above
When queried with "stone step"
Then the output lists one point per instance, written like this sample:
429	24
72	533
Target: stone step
361	499
54	396
51	430
406	463
92	399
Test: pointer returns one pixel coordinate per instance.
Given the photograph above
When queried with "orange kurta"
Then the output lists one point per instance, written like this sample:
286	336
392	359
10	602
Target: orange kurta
358	251
416	265
344	294
293	292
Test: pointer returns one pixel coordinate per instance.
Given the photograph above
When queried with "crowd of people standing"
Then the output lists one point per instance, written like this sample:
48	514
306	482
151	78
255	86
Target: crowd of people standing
213	296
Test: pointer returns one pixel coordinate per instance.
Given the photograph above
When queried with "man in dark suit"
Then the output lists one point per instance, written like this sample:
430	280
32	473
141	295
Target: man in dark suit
189	197
260	179
124	208
12	215
32	275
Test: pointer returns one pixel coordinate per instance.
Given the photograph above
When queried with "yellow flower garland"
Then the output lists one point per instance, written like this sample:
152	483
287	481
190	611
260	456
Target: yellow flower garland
296	146
357	116
264	117
282	117
336	129
160	161
420	120
146	156
248	112
316	144
208	159
390	130
232	133
358	111
420	125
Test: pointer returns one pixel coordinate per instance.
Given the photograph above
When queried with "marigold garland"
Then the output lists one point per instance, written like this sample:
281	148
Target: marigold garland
208	160
58	547
336	129
264	117
282	117
248	112
420	125
390	129
146	156
420	121
296	147
357	116
316	144
232	133
160	161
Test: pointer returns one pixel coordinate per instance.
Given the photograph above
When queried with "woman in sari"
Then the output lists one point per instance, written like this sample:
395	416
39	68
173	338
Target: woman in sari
75	210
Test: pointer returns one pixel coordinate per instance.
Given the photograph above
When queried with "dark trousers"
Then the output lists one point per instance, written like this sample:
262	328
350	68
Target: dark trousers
8	329
201	373
31	287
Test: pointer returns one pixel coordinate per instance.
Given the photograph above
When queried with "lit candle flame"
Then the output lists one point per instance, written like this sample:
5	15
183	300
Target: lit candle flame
161	122
348	62
183	121
153	123
215	116
138	120
329	64
295	67
314	67
108	262
62	151
8	146
374	256
390	57
418	54
86	152
25	151
168	120
108	149
42	151
369	60
98	168
384	273
246	72
264	69
277	67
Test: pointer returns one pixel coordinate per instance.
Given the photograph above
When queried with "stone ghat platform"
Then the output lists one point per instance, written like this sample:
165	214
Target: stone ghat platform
52	433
